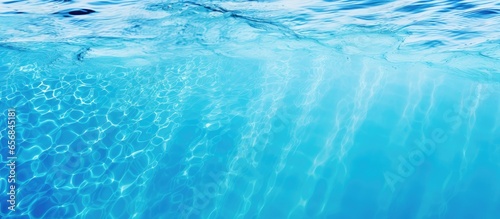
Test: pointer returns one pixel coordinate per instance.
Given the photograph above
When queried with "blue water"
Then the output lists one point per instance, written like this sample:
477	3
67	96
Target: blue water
252	109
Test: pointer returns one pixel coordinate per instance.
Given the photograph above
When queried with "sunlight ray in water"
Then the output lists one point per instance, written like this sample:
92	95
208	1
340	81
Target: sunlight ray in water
250	109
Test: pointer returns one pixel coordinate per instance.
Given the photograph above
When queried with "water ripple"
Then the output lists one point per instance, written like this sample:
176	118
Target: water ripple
252	109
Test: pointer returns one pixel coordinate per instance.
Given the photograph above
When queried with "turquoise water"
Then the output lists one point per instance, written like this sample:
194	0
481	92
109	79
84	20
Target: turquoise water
252	109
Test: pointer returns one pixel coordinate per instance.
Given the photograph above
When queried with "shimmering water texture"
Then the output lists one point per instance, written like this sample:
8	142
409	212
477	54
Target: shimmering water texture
252	109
